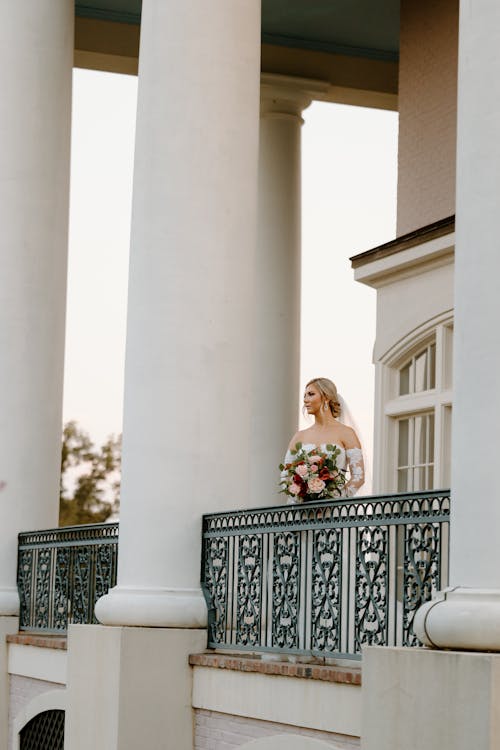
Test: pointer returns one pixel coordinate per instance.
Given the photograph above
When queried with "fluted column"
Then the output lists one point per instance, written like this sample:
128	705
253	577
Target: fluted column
186	436
36	58
469	616
276	363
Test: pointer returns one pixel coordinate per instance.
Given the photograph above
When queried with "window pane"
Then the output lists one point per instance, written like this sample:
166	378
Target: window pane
421	372
430	455
420	445
403	480
404	380
448	357
419	479
432	366
430	478
403	442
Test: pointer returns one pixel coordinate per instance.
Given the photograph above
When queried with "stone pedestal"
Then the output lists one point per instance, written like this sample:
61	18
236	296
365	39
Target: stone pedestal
8	625
420	699
130	688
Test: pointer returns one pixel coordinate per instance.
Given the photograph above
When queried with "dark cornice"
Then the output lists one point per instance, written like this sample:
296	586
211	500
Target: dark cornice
417	237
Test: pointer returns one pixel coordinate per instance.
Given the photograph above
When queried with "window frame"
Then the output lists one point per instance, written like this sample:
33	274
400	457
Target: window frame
390	406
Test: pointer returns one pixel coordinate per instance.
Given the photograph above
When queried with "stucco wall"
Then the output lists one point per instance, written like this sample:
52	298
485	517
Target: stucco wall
427	112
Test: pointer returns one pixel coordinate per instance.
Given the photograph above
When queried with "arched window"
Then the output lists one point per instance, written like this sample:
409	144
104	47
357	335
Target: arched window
414	429
45	731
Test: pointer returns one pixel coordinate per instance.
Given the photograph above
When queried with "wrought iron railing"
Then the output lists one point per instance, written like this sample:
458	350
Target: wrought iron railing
61	573
324	578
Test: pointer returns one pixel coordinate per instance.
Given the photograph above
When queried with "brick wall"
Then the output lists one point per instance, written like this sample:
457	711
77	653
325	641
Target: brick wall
217	731
22	691
427	112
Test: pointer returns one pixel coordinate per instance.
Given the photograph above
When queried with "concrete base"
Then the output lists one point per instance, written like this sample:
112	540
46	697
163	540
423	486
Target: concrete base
437	700
130	688
8	625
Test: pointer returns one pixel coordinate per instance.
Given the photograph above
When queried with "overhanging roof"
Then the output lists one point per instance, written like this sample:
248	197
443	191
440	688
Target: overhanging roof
350	45
363	28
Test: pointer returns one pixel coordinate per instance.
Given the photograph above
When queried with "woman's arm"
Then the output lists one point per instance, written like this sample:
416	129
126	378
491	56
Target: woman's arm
355	463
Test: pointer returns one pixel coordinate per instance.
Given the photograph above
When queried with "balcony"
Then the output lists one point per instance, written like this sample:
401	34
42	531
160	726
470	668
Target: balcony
319	579
323	579
61	573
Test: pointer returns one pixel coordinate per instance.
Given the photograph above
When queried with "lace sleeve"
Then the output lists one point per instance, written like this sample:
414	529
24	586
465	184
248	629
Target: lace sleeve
356	470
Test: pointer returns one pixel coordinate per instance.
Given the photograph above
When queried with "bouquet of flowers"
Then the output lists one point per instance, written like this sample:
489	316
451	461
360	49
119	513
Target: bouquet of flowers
312	474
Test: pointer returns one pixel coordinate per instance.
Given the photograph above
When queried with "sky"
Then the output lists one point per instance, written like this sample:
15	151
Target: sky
349	175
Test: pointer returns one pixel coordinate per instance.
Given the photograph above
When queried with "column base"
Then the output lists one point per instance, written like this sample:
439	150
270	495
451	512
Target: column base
461	619
157	608
416	698
9	602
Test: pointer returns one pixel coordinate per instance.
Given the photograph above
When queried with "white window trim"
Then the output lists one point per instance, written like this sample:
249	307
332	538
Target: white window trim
388	406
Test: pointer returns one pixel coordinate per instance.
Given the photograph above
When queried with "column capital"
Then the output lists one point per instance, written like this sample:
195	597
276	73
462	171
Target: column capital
287	96
463	619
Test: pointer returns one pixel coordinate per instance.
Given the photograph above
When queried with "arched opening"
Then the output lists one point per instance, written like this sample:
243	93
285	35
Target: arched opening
45	731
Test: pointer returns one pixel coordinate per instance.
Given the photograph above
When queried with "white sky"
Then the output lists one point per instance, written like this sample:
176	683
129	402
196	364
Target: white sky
349	205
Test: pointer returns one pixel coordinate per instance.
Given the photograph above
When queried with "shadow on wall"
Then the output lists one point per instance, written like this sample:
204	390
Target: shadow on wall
289	742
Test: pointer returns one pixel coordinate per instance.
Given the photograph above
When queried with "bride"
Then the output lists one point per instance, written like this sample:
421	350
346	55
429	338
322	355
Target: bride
322	402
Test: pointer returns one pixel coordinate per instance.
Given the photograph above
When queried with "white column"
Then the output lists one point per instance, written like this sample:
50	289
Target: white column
186	443
278	262
469	617
36	58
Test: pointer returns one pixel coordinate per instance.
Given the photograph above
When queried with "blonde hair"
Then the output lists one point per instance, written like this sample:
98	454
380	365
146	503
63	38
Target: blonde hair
329	392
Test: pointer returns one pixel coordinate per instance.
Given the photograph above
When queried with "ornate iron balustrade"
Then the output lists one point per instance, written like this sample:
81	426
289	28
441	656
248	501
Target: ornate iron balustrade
61	573
324	578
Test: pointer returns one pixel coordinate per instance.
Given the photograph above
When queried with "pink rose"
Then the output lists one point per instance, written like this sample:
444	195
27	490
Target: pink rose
294	489
315	485
315	459
301	470
313	468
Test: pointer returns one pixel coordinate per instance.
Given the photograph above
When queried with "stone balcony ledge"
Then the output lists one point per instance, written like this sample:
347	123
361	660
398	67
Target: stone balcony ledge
345	675
41	641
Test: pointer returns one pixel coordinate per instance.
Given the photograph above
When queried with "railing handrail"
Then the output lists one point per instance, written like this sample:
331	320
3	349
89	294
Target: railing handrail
344	512
88	532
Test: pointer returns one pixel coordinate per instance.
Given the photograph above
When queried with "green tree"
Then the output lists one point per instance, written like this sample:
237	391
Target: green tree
90	477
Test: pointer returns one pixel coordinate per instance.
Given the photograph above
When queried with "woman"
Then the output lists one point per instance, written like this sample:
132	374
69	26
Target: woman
322	402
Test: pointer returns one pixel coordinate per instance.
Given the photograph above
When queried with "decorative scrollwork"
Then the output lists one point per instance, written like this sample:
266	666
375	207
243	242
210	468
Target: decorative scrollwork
326	590
371	595
42	588
215	580
105	567
248	602
25	569
81	588
61	589
61	573
421	576
286	575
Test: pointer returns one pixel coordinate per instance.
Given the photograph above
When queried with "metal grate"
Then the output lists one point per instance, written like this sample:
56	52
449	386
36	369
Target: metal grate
44	732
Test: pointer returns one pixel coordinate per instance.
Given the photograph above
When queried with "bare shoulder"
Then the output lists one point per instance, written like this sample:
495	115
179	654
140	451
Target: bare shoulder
349	437
299	437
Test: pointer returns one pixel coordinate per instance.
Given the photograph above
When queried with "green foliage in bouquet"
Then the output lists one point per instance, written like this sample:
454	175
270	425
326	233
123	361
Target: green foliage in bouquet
313	474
